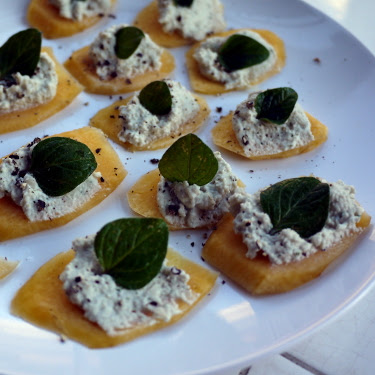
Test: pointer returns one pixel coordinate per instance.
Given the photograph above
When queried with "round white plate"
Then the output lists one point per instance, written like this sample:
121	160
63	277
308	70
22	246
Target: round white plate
230	328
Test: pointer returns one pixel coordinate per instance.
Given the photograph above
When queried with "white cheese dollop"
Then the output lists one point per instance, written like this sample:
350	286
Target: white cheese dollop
140	127
193	206
287	246
17	183
263	138
30	91
206	55
146	57
202	18
77	9
115	308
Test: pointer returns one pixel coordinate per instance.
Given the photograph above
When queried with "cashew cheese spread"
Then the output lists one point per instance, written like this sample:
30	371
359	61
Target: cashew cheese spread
77	9
140	127
206	55
193	206
108	66
287	246
115	308
29	91
17	183
264	138
200	19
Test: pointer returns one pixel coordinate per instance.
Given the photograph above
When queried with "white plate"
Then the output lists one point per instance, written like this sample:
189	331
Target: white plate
230	328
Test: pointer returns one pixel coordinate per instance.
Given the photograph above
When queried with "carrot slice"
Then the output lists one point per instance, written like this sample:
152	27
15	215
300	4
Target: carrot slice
43	302
14	223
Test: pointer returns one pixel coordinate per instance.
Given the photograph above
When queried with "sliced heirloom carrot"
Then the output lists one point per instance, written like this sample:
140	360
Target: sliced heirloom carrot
14	223
43	302
7	267
81	66
108	120
148	20
225	251
45	17
202	84
223	135
142	196
67	89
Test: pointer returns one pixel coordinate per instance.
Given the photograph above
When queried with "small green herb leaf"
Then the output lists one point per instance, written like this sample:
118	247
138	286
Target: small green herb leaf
20	53
297	203
156	98
276	105
240	52
189	159
132	251
60	164
183	3
127	41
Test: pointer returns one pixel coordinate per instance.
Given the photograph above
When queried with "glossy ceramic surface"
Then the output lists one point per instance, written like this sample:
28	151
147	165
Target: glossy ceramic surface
230	328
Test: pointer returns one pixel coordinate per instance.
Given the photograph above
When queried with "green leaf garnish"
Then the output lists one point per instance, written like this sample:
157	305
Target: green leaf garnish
183	3
189	159
300	204
60	164
275	105
240	52
20	53
156	98
132	251
127	41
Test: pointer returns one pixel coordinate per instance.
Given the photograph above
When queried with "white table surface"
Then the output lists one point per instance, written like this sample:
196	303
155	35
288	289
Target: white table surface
345	346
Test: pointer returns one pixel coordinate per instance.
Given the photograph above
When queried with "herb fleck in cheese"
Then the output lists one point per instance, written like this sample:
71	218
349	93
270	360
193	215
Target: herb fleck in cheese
202	18
108	66
17	183
27	92
140	127
287	246
77	9
193	206
264	138
115	308
206	55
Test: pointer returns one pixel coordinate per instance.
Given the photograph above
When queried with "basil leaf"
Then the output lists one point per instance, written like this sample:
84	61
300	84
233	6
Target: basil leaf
132	251
183	3
60	164
297	203
127	41
240	52
189	159
276	105
20	53
156	98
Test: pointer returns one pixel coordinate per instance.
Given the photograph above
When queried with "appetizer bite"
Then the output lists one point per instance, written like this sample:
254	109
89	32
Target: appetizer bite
50	182
286	235
7	267
114	286
61	18
33	85
234	60
175	23
190	189
121	59
269	125
154	117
